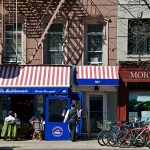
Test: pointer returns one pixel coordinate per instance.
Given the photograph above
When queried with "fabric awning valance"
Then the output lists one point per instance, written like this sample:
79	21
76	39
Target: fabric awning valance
97	75
33	77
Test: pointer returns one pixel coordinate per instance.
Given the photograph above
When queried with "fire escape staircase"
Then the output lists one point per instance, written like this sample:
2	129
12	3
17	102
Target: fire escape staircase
90	3
74	45
90	8
34	18
40	41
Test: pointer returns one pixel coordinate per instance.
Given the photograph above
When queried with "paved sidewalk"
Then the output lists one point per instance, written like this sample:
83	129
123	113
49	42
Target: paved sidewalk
57	145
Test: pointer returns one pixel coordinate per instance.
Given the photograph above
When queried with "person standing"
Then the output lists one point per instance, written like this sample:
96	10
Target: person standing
72	117
38	126
18	123
36	117
9	129
10	116
17	119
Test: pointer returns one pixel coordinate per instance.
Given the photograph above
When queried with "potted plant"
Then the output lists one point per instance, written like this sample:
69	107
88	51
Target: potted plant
147	105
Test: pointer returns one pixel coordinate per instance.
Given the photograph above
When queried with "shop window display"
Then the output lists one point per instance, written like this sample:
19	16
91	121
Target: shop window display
139	106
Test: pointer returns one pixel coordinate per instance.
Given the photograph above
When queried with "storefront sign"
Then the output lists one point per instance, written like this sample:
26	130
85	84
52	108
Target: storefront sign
140	74
111	82
12	91
33	90
97	75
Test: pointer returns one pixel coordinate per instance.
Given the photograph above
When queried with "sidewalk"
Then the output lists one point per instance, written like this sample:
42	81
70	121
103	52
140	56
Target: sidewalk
58	145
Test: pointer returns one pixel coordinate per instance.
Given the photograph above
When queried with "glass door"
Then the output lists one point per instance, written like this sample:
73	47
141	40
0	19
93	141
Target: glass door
55	129
95	112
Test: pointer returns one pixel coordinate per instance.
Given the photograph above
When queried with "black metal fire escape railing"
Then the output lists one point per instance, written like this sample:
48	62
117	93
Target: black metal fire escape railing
90	7
40	41
34	13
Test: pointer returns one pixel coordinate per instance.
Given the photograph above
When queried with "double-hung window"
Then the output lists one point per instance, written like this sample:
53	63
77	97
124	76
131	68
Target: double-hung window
13	43
54	47
95	44
139	36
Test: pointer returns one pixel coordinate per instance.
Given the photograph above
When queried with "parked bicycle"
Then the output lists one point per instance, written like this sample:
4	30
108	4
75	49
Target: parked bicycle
124	134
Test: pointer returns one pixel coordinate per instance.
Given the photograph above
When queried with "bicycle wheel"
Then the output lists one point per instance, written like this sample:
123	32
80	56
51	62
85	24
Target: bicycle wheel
126	141
99	138
105	137
147	139
112	139
142	140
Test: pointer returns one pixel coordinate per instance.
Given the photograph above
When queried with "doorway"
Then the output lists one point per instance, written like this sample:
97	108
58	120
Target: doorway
97	112
23	105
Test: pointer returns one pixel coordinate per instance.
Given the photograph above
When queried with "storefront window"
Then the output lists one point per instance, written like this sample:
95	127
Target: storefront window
139	106
56	110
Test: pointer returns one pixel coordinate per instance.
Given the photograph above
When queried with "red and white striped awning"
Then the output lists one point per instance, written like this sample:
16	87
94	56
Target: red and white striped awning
97	72
34	76
97	75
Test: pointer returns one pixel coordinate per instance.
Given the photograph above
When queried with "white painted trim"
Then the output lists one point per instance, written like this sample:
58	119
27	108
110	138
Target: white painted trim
106	45
24	51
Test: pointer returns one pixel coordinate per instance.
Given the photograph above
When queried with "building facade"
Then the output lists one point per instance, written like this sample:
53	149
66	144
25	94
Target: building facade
133	59
62	34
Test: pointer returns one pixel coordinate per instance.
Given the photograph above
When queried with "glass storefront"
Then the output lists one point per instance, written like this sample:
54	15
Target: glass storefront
139	106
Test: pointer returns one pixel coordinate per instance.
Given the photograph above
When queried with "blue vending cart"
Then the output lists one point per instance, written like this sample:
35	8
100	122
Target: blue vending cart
55	109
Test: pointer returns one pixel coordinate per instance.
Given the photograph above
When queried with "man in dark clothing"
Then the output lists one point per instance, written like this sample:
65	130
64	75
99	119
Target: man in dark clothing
72	116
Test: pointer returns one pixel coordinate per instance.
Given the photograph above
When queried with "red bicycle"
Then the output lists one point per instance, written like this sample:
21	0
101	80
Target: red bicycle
137	137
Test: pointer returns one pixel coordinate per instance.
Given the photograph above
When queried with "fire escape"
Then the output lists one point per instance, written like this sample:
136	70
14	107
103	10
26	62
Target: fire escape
35	12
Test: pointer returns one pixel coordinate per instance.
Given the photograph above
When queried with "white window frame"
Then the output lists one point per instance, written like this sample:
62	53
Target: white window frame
62	47
23	41
104	94
143	41
104	45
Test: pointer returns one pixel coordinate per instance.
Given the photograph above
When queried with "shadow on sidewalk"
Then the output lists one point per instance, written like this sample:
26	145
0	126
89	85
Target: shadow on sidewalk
8	148
87	138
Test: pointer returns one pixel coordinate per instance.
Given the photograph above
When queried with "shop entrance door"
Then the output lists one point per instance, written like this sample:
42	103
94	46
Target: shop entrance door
23	105
96	112
55	129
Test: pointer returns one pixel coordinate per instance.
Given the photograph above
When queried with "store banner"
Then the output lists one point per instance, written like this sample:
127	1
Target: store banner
54	91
